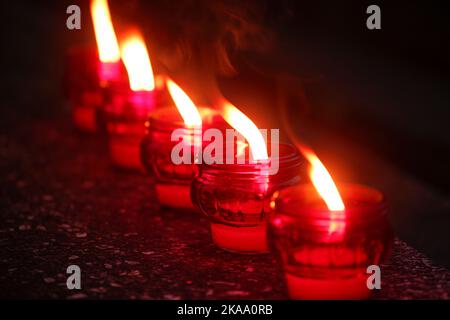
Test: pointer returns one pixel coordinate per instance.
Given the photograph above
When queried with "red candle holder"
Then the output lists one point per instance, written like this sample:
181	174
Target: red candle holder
325	255
81	86
125	115
237	199
173	180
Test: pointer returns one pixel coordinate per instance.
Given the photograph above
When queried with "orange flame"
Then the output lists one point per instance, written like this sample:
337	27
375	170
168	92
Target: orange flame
137	62
323	182
108	48
240	122
184	104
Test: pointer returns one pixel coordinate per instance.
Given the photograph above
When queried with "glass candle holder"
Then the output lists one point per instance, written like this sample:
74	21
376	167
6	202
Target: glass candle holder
125	115
237	199
325	255
81	86
88	83
173	181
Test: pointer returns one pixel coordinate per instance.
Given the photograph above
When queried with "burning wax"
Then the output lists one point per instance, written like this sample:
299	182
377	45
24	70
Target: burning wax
326	256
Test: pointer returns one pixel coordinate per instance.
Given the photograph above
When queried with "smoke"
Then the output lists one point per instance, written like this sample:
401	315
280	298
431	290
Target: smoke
201	32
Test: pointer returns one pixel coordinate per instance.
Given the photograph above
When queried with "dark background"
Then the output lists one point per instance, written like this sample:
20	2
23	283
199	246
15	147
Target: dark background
375	104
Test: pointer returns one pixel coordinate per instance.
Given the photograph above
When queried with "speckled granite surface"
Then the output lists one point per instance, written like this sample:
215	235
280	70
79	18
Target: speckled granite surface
62	203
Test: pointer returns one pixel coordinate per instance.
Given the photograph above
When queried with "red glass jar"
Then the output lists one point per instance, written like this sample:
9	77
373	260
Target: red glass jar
173	181
82	86
88	84
125	115
326	255
237	198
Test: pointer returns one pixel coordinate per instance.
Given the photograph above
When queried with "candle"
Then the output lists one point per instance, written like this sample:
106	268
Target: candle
324	255
240	239
81	86
89	72
173	181
237	198
174	176
129	105
109	66
125	124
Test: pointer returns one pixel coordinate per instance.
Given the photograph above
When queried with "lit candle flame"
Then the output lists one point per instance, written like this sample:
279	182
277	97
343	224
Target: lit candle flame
108	48
137	62
184	104
328	191
323	182
240	122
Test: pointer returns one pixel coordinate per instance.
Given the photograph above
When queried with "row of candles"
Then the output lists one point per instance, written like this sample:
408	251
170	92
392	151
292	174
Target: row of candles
324	237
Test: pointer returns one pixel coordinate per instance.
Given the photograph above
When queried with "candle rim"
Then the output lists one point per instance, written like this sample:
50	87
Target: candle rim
291	156
368	208
163	117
